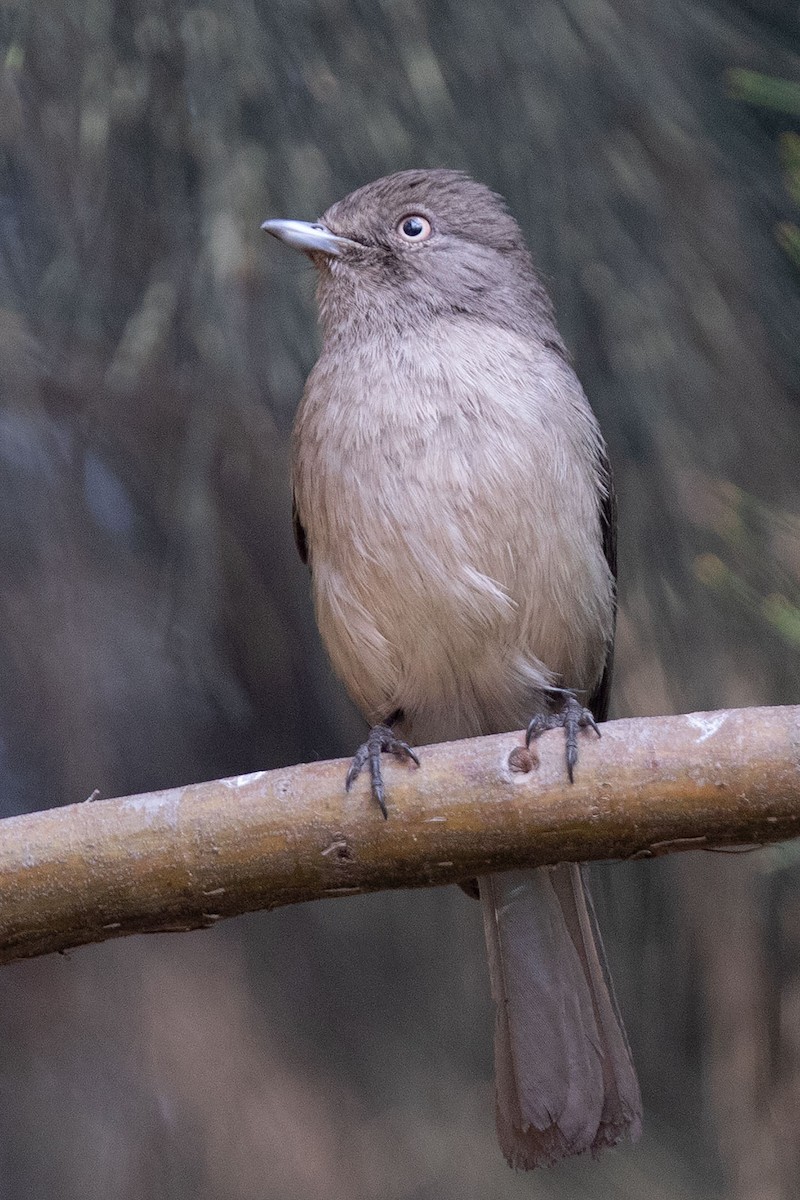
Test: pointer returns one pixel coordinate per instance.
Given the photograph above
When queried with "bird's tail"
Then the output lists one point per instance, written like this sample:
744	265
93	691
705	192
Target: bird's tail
564	1078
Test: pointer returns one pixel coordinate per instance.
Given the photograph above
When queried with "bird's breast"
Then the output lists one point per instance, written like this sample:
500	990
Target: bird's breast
451	513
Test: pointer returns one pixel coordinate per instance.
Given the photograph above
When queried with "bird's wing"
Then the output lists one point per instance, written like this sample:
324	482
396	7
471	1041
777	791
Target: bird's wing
598	702
299	532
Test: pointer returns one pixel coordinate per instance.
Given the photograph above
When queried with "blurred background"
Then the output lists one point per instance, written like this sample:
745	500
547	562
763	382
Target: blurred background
155	623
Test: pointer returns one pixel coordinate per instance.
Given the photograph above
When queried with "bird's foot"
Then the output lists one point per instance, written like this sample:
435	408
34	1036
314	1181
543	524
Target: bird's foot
570	717
380	740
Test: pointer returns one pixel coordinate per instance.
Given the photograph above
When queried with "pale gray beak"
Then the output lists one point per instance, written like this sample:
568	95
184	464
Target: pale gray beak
301	235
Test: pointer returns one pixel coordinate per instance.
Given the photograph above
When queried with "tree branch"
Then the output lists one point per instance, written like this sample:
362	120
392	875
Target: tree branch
185	858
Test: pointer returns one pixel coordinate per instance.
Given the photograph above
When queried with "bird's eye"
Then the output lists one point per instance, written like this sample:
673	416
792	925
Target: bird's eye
414	228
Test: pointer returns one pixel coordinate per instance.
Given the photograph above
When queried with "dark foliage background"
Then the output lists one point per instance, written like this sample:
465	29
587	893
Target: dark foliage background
155	626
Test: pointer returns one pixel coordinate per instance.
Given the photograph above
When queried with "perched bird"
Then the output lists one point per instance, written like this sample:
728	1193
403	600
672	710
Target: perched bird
453	499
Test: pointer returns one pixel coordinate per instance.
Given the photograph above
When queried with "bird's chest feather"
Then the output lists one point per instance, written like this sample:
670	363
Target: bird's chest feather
429	490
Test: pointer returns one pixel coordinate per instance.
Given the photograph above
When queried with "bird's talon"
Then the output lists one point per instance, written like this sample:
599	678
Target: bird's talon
536	726
381	801
571	717
409	753
380	740
356	766
587	721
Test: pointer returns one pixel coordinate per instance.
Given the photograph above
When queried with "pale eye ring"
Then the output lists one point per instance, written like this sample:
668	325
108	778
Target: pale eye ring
414	228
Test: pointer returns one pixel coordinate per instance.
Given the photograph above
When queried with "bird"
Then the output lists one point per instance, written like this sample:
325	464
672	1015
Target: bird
453	499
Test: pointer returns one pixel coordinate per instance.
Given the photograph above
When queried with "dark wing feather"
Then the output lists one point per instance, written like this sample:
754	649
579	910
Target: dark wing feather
598	702
299	533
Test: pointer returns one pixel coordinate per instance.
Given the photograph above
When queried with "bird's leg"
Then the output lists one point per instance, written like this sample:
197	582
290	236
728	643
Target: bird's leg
380	740
570	717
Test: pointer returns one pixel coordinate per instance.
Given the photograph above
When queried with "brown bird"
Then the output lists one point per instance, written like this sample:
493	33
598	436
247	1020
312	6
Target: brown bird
454	501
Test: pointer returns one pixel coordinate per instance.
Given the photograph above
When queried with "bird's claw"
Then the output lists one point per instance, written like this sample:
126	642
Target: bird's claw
571	717
380	740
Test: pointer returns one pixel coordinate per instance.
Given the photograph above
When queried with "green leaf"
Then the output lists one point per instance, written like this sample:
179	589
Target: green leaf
765	90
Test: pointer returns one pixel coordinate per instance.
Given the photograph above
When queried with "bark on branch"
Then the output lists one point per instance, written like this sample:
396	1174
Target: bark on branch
185	858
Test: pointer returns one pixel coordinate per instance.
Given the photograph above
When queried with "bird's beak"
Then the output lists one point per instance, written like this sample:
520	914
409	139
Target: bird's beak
312	239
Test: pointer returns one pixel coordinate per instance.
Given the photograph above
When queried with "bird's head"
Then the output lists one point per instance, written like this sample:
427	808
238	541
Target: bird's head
417	245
